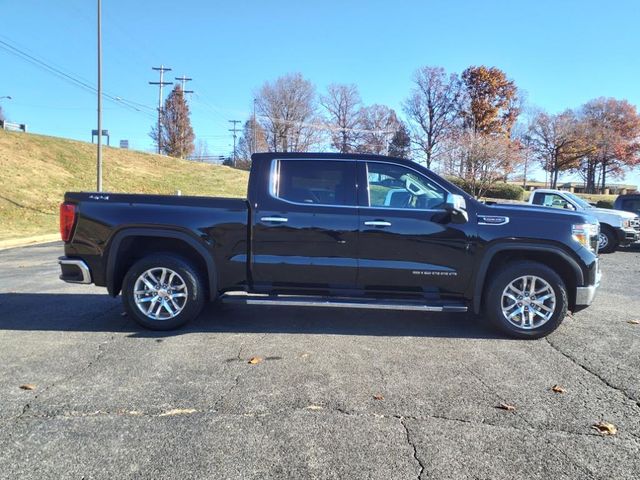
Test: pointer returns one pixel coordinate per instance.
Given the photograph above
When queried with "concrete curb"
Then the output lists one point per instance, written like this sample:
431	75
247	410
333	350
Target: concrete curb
24	241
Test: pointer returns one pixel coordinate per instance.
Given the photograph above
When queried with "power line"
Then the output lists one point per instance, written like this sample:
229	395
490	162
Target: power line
160	84
67	77
234	130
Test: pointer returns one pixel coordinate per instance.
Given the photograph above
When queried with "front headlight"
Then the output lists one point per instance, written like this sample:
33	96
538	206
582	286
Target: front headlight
583	233
626	224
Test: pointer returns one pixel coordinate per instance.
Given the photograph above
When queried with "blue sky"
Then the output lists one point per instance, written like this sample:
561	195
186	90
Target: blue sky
562	53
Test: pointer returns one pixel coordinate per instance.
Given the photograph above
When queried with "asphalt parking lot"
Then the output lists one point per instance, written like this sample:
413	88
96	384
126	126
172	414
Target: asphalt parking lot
338	394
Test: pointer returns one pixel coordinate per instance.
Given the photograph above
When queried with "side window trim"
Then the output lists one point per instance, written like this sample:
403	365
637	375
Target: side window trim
274	178
420	174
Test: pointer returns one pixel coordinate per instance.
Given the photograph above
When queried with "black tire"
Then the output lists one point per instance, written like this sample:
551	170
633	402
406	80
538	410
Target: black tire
609	238
195	298
498	283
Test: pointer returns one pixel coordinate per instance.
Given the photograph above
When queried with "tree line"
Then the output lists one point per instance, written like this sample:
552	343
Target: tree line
474	126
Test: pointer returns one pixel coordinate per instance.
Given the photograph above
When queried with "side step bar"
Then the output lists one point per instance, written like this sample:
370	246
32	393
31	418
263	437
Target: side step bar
341	302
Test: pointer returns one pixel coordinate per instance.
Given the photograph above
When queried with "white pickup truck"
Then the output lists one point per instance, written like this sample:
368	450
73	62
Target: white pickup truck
617	227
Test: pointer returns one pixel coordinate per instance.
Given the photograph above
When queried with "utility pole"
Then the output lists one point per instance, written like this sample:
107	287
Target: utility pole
160	84
183	81
234	130
99	153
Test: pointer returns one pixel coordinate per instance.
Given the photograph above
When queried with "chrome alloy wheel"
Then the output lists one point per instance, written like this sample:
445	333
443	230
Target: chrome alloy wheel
528	302
160	293
603	241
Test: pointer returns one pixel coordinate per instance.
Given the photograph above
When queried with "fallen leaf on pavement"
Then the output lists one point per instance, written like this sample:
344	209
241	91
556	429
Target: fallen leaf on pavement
507	407
255	360
634	322
28	386
178	411
558	389
605	428
378	396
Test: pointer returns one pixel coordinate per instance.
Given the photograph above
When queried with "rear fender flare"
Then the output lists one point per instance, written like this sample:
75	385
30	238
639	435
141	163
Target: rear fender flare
114	252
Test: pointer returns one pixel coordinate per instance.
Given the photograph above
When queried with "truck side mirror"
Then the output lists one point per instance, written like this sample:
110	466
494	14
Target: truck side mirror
457	207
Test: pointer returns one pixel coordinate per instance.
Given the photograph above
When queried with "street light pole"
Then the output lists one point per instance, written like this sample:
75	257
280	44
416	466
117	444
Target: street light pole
99	159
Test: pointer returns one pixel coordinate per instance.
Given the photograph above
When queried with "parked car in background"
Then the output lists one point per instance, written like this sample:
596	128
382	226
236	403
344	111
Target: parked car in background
334	230
628	203
617	227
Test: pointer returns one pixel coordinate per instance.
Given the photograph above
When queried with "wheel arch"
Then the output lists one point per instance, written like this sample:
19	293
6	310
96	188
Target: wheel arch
129	245
556	259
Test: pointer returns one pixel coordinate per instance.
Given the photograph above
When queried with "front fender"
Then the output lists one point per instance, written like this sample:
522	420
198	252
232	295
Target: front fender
493	250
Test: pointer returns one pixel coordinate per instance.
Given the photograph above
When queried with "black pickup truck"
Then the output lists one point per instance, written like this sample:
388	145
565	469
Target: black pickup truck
334	230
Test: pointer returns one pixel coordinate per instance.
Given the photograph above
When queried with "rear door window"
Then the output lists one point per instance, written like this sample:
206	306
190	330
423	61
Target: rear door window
315	182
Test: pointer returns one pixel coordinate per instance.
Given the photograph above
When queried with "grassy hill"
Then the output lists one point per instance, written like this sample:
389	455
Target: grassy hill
36	170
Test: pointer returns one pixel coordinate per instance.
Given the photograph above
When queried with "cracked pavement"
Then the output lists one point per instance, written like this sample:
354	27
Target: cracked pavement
115	401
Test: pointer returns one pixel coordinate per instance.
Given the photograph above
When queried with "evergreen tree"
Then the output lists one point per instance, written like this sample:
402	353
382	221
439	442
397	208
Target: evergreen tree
400	145
176	137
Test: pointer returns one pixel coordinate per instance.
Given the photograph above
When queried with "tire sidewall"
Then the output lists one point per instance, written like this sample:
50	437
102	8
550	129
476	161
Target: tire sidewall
493	302
195	292
612	243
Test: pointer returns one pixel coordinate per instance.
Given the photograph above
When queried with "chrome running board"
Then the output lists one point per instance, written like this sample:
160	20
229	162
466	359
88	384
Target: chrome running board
341	302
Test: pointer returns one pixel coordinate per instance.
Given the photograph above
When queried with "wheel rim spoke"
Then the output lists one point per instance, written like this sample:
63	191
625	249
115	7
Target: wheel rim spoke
528	302
160	293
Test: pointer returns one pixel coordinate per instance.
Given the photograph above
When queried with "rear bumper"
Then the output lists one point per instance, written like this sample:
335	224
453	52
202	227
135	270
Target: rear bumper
585	295
74	270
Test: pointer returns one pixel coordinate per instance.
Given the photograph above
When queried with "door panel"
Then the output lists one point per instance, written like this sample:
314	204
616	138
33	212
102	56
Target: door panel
404	247
305	232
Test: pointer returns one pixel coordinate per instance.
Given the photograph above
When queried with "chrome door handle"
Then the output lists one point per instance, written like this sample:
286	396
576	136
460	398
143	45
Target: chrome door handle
377	223
274	219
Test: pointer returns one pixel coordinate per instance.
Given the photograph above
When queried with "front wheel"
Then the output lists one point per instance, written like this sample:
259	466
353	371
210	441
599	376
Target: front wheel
162	292
607	241
526	300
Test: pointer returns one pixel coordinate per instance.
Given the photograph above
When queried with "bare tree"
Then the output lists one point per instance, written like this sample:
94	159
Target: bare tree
201	152
252	140
342	103
487	159
288	113
557	142
432	109
378	125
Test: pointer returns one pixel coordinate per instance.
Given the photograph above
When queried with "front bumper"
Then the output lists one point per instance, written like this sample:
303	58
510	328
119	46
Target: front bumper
74	270
627	236
585	295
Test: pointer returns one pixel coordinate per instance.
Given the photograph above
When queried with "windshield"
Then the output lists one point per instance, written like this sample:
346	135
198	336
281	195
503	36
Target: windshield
576	199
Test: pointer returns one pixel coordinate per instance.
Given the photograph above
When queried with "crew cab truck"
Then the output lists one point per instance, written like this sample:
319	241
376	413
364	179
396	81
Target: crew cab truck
334	230
617	227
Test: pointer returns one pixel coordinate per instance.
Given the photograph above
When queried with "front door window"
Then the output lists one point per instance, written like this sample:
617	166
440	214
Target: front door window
395	186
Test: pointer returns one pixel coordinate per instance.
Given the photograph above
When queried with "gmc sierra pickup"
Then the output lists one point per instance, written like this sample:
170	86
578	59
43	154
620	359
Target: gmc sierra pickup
334	230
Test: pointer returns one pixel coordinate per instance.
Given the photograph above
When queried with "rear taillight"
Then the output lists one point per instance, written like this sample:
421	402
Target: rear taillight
67	219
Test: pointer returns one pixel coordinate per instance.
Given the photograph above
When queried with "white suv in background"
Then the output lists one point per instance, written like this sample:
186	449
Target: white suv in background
617	227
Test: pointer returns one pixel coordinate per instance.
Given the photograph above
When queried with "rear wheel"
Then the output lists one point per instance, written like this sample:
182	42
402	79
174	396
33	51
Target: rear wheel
607	241
163	292
526	300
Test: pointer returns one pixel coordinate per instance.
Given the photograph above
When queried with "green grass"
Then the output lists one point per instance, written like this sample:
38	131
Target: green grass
36	170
